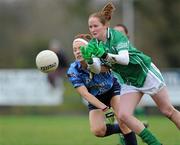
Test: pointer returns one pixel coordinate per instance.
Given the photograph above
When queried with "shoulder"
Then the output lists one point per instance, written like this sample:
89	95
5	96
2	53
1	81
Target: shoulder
115	32
118	40
116	35
73	68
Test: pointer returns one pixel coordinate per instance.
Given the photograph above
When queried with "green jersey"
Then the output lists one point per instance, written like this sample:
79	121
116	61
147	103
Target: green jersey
136	71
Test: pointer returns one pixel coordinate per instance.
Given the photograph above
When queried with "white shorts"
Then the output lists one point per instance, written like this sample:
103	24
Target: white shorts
154	83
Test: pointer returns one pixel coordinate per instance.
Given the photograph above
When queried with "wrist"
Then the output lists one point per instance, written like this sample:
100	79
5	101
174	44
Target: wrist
105	109
104	55
90	61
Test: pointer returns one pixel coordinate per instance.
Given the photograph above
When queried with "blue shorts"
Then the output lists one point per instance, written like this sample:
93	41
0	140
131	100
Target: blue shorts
106	97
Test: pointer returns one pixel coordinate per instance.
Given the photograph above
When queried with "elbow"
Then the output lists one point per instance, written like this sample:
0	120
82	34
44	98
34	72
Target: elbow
123	58
126	61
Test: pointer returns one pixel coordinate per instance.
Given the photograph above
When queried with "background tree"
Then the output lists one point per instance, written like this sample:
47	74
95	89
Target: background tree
27	26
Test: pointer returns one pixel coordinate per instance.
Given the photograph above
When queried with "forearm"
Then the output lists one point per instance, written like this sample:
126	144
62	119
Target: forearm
95	67
94	101
90	98
121	58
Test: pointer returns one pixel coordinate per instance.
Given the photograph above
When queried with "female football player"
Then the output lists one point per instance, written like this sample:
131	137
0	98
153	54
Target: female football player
134	68
101	91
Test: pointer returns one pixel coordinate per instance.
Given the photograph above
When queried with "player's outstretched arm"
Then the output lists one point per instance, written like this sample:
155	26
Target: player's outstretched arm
82	90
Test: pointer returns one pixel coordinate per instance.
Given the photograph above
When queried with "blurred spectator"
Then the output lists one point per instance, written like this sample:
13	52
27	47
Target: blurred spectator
122	28
56	78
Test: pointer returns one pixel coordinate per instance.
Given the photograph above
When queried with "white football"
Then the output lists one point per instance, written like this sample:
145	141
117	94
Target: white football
47	61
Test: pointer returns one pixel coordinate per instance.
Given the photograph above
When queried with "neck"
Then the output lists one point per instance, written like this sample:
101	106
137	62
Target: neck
104	36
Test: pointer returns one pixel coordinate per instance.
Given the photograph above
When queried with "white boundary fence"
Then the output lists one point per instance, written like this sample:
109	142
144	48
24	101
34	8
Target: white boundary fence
27	87
30	87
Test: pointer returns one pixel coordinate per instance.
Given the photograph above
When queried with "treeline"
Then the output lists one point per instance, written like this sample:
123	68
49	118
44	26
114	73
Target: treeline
27	26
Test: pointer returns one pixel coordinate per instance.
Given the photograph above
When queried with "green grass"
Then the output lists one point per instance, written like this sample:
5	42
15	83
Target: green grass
71	130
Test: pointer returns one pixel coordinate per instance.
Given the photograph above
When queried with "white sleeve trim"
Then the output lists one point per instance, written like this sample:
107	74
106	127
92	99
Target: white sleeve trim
96	66
121	58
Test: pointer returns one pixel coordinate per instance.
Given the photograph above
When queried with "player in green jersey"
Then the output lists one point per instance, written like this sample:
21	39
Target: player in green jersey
135	69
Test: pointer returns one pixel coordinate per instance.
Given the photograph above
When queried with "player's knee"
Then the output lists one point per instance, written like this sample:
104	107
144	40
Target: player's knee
167	111
99	131
123	116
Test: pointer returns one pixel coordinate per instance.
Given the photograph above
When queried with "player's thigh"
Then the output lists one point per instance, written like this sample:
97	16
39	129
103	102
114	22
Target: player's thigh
96	119
128	102
162	99
115	103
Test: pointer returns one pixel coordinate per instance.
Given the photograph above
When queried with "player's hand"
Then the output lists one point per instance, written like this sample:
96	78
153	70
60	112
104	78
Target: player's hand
99	50
109	114
86	54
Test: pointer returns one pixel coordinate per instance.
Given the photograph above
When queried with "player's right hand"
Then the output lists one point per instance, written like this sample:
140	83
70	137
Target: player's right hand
109	114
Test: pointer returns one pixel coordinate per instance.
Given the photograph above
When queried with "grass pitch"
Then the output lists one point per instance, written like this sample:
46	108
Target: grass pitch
71	130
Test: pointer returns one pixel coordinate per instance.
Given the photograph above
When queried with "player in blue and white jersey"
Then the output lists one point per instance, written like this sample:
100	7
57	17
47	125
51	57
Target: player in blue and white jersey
100	89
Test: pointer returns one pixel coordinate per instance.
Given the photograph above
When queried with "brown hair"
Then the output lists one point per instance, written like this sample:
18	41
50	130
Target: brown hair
86	37
105	14
123	26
